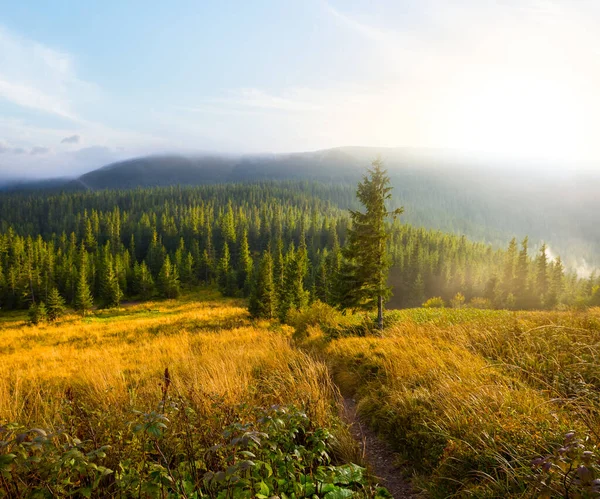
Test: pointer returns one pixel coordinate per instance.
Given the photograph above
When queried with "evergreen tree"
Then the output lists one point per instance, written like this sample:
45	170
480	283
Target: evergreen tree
143	281
262	297
156	255
541	278
168	280
245	265
37	313
418	293
225	273
508	277
521	276
556	285
365	278
83	296
293	295
111	292
278	268
55	305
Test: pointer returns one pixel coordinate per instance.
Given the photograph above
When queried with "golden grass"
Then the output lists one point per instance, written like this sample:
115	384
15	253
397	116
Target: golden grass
114	361
469	397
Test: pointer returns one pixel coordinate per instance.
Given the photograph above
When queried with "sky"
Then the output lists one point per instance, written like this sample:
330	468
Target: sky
86	83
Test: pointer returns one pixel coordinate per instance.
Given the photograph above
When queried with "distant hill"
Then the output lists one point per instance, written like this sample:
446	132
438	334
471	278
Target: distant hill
488	201
153	171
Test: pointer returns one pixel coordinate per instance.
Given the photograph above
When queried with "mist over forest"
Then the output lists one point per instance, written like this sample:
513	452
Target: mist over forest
488	200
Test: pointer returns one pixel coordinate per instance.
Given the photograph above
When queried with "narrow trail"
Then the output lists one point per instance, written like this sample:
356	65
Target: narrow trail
378	454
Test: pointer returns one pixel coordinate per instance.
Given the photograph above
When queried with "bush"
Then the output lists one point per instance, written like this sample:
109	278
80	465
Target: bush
458	301
435	302
317	314
481	303
280	452
334	324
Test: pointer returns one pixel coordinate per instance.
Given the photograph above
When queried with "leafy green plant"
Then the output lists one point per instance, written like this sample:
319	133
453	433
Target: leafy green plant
571	471
279	453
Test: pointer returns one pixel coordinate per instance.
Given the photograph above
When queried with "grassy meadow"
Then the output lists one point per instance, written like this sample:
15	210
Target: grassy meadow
470	397
70	388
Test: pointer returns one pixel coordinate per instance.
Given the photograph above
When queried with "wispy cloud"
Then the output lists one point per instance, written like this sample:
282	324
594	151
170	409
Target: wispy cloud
6	148
72	139
39	150
38	77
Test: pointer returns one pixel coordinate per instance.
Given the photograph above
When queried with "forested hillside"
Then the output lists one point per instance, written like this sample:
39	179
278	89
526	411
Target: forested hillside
489	201
106	246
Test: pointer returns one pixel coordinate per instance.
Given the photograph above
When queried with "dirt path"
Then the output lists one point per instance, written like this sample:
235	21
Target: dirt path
378	454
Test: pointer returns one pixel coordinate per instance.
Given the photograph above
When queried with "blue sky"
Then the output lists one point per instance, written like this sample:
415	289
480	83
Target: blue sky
118	79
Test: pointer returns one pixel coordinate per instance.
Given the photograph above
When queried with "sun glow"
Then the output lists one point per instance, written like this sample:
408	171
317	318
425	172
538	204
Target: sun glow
522	114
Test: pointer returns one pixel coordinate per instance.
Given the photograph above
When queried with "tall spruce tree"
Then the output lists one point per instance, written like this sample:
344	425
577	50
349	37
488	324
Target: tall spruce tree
225	273
521	275
83	296
245	265
541	277
168	279
366	263
143	283
56	305
262	297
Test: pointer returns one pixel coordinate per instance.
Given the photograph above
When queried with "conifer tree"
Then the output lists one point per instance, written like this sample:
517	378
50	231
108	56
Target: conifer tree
83	296
111	292
228	225
508	276
143	281
521	275
37	313
418	292
245	265
262	301
55	305
278	267
556	285
365	277
168	280
225	273
156	255
541	278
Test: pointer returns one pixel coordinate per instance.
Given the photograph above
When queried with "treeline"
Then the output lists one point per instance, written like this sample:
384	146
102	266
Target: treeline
278	244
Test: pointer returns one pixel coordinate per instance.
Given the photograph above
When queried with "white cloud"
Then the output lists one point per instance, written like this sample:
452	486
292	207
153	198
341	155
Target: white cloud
38	77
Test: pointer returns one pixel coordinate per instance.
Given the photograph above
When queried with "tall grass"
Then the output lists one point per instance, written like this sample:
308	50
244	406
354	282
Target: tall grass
197	372
115	362
470	397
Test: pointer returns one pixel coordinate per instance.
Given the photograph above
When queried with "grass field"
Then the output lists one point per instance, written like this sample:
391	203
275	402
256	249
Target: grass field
98	381
470	397
467	397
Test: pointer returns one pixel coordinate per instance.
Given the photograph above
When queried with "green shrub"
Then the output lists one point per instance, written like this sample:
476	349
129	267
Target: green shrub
481	303
278	453
435	302
458	301
317	314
